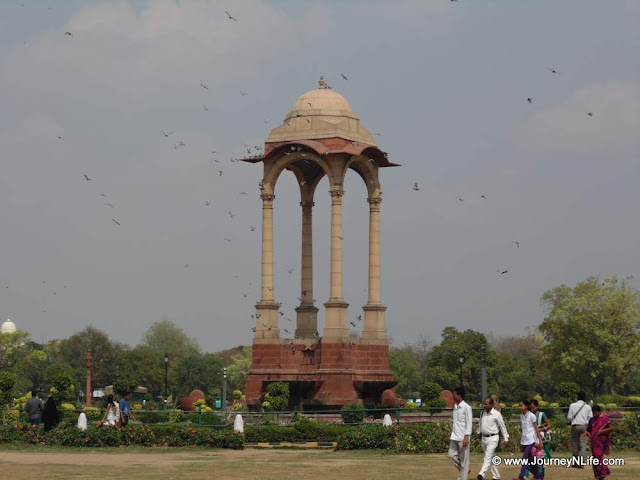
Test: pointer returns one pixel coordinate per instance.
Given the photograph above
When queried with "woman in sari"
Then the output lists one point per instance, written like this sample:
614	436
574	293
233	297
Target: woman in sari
599	431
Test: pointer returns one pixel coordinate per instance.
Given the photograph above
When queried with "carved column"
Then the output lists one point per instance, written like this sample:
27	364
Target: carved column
336	308
267	308
306	312
374	311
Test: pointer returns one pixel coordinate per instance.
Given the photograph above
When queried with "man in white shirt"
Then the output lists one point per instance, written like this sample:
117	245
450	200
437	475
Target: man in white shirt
489	428
460	433
579	415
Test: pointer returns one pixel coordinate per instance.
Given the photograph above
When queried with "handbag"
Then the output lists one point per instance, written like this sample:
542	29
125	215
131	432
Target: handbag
545	435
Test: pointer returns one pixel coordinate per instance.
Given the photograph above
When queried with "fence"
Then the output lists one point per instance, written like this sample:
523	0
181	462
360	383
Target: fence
221	419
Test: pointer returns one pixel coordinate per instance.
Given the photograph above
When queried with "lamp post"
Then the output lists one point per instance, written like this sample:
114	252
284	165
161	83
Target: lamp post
224	392
461	359
483	357
166	366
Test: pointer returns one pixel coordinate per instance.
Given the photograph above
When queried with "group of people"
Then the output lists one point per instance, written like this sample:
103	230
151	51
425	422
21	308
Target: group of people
117	414
39	412
535	440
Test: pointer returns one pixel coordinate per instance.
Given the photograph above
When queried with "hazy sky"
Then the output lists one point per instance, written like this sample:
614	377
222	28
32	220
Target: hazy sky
444	83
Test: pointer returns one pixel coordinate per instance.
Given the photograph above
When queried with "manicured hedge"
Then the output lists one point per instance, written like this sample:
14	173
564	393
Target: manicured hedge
162	435
302	431
434	437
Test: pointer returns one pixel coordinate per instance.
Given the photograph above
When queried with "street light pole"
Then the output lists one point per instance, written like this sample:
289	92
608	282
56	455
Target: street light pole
461	362
483	355
166	367
224	392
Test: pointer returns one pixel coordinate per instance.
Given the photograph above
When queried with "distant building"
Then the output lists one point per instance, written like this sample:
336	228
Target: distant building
8	327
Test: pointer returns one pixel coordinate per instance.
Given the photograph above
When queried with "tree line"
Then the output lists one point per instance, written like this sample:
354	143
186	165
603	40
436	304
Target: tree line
590	335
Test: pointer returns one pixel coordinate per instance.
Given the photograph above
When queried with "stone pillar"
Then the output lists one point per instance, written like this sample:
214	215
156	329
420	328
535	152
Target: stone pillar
267	308
374	311
336	308
88	362
306	312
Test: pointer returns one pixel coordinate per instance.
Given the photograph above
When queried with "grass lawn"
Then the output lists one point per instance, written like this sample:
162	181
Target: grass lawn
198	463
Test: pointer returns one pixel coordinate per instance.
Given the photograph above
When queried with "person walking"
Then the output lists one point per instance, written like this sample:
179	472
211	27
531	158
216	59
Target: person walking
489	428
530	438
460	433
599	431
579	415
111	412
34	408
544	426
50	416
125	409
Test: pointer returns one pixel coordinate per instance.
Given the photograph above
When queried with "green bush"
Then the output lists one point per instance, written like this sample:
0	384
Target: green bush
353	413
429	391
277	396
152	416
307	431
176	416
366	437
436	405
7	386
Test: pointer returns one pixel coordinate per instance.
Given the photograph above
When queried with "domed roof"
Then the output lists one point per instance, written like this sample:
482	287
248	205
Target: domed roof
8	327
321	113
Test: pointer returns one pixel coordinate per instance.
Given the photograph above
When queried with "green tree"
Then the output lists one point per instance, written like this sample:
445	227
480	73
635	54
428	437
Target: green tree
13	347
7	387
238	369
444	360
593	333
409	364
165	337
72	351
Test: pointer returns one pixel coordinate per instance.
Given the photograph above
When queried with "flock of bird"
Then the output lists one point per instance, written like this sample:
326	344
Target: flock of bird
256	151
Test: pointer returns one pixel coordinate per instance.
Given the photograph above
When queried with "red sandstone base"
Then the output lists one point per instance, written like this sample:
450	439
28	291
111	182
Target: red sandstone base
321	375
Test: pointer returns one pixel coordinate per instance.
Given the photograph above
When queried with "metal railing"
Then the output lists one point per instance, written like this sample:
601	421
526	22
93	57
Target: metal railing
219	418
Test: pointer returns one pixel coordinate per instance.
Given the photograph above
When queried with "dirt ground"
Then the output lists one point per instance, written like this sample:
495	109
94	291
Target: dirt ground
193	464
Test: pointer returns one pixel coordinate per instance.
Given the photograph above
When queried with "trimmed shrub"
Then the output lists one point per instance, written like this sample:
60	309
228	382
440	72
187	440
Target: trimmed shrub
366	437
353	413
436	405
429	391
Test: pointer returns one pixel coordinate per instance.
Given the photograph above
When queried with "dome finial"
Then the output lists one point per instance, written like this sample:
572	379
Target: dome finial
322	83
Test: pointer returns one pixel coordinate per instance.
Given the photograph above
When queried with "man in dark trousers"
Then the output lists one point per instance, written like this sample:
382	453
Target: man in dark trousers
34	408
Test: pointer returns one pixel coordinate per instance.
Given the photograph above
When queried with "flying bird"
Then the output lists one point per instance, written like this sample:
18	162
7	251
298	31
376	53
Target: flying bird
353	323
517	244
232	214
178	145
69	34
553	71
590	114
87	178
166	134
415	187
503	272
242	93
186	265
343	76
482	196
115	221
204	86
103	195
530	100
207	203
253	329
227	239
219	173
359	318
109	204
460	199
230	17
253	229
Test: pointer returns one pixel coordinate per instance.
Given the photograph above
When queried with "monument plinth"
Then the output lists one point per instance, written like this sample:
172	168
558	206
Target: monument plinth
321	136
